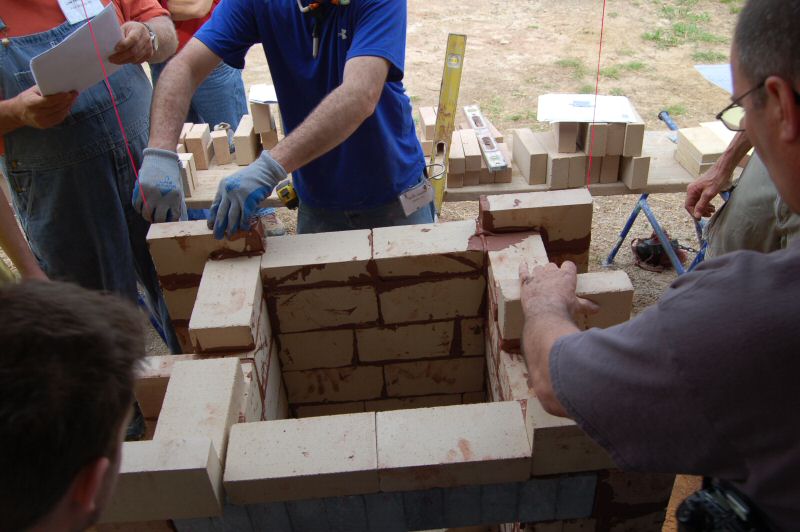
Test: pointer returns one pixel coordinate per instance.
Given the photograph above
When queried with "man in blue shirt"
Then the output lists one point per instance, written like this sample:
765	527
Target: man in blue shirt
351	144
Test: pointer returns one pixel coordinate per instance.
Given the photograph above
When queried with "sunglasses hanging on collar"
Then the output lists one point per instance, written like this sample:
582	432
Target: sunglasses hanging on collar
313	9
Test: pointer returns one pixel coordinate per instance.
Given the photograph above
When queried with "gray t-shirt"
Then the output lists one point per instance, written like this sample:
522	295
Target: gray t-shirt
705	382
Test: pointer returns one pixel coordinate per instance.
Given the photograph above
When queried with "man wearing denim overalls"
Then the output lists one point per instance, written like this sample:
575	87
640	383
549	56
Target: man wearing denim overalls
351	144
70	173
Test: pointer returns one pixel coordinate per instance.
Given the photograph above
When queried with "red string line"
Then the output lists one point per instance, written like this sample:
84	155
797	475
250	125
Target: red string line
114	102
596	92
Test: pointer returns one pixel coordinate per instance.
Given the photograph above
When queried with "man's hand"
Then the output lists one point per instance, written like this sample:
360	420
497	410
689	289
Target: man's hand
42	112
239	195
700	193
158	196
550	290
135	46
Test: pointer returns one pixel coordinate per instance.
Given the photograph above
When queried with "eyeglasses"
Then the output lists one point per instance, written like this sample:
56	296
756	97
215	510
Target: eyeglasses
733	115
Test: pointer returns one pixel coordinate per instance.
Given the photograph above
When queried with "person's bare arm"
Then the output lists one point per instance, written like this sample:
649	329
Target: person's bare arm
549	305
700	193
337	116
135	46
174	90
13	242
188	9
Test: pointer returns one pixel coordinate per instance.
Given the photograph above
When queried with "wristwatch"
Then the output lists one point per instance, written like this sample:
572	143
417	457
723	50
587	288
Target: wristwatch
153	37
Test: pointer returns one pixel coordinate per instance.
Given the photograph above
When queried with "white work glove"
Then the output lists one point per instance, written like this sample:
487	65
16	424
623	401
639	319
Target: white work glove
160	184
239	195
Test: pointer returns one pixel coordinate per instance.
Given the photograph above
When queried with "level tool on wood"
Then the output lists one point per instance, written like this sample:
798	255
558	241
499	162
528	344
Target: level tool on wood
494	157
448	104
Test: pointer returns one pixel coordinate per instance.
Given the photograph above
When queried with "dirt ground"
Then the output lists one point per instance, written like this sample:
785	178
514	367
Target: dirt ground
517	50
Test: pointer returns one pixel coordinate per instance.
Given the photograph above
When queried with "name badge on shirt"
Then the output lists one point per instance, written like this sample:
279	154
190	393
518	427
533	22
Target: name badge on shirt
74	9
416	197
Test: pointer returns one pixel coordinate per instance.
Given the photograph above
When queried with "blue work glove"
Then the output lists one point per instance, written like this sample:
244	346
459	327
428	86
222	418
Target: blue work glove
239	195
160	183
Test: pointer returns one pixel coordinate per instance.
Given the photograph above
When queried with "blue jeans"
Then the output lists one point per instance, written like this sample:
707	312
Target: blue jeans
324	221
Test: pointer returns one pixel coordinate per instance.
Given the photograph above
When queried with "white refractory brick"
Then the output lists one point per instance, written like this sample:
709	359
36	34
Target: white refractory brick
185	129
269	139
322	308
504	263
203	400
152	378
472	342
615	139
425	401
596	146
222	148
316	349
456	159
228	305
435	300
472	150
180	248
634	139
198	142
330	409
171	479
700	144
245	142
354	383
429	377
560	446
634	172
252	404
577	171
452	446
566	136
297	260
427	249
557	177
611	290
427	122
426	340
609	173
180	302
262	117
188	171
308	458
530	156
564	217
512	375
276	405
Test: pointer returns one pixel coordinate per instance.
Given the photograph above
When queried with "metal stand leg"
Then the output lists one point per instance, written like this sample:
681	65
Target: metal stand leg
625	230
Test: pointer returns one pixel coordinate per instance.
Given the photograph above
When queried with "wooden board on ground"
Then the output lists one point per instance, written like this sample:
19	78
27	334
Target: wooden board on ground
666	175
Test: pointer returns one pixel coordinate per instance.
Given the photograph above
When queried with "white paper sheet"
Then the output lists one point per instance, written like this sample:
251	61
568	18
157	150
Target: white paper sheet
580	108
79	10
73	65
263	93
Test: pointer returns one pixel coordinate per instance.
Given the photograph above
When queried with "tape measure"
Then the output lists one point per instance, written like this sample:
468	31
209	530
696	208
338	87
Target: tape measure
287	194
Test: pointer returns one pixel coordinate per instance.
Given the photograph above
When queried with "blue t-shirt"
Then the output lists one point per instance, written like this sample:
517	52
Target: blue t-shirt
383	157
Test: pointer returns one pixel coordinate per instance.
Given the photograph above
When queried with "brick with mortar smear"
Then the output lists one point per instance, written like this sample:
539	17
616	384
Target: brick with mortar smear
493	393
565	135
634	171
222	149
227	310
353	383
434	300
198	142
504	263
322	308
203	400
171	479
634	139
609	173
427	249
557	176
316	349
180	250
472	342
252	404
530	156
180	302
296	459
452	446
403	342
330	409
402	403
472	151
615	138
309	259
430	377
276	404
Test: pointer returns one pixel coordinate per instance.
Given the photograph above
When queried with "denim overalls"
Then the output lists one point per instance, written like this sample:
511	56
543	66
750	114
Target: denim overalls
71	184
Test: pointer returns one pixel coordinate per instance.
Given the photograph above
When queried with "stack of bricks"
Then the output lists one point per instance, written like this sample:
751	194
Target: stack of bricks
390	339
560	158
698	149
466	165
